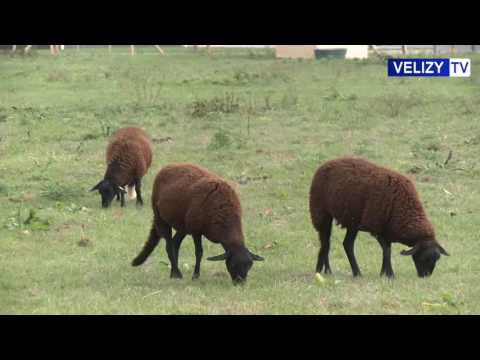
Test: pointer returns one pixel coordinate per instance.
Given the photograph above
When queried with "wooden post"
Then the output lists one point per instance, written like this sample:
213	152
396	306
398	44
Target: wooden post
55	50
375	50
132	50
435	49
404	49
160	49
453	49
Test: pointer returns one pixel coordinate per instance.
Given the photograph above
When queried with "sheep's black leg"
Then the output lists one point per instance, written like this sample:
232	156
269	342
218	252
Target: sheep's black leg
386	262
177	240
122	199
197	239
324	234
175	271
118	196
138	190
348	245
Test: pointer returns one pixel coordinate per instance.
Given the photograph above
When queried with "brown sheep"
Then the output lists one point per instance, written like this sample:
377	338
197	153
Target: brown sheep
362	196
196	202
129	156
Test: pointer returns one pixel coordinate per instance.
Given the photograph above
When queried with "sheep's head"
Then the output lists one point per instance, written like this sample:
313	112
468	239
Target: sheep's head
238	263
108	191
425	256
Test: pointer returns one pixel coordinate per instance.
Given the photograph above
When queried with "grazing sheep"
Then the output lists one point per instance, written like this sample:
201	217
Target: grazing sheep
196	202
129	156
362	196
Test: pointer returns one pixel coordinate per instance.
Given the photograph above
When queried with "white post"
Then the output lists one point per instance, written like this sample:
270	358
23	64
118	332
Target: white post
160	49
132	50
27	49
14	48
54	49
109	49
375	50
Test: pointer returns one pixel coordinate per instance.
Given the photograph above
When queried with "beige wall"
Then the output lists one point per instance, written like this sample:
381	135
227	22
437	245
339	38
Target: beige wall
296	51
308	51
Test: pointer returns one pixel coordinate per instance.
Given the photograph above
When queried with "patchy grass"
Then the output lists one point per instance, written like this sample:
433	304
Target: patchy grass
261	123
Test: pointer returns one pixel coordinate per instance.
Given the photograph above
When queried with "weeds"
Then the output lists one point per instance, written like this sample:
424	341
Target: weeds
31	222
333	94
395	104
261	54
289	100
3	189
57	76
227	104
148	91
3	116
473	140
58	192
221	140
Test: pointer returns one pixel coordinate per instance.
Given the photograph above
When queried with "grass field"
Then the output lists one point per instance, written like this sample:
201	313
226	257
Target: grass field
261	123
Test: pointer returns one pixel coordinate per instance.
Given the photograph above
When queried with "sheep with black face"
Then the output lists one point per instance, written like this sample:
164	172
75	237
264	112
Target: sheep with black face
129	156
196	202
362	196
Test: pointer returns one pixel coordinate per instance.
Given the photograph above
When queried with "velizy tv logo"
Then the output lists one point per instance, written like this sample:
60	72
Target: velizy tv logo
429	67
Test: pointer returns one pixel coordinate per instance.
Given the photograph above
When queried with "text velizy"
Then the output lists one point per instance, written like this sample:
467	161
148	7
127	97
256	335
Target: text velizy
429	67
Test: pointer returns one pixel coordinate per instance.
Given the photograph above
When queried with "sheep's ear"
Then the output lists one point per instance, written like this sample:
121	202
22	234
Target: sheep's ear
256	257
411	251
96	186
218	258
443	251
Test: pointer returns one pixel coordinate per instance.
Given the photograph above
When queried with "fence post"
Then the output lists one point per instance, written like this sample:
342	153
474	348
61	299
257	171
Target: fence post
109	49
132	50
160	49
453	49
404	49
435	49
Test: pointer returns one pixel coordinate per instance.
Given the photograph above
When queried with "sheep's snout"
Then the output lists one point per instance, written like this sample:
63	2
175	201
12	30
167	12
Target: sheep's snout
239	281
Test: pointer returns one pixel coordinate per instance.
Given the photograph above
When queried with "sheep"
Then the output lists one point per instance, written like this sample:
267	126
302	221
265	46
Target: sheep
362	196
129	156
196	202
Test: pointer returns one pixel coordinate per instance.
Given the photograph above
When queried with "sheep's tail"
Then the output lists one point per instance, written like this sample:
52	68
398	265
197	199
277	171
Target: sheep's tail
131	193
148	248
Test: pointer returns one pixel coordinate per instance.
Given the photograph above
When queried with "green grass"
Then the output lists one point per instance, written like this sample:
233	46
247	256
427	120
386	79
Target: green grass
265	124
